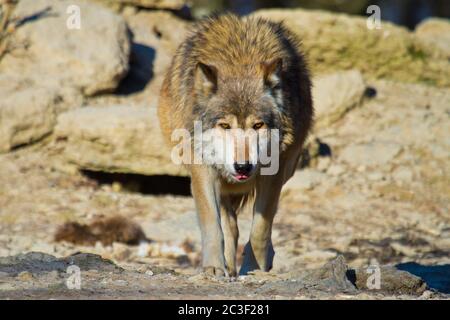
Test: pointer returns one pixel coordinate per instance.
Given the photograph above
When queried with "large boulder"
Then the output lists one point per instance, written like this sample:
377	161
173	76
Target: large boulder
435	32
156	36
92	59
28	110
336	94
118	138
339	41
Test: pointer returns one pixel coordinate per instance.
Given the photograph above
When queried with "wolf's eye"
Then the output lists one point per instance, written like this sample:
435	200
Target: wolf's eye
258	125
224	126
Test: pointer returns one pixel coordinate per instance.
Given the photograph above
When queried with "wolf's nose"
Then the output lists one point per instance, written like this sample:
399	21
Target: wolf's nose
243	168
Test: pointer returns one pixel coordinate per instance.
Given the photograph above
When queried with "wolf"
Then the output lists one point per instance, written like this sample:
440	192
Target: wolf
246	75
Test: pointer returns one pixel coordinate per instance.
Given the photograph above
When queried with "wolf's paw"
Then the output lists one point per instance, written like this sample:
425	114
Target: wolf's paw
216	273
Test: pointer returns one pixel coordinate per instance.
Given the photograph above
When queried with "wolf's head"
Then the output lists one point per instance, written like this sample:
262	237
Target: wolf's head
241	116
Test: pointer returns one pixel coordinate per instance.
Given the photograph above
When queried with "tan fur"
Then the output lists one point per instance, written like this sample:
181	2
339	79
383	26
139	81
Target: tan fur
249	70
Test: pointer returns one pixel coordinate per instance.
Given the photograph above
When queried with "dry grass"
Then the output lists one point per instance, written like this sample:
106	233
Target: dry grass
7	24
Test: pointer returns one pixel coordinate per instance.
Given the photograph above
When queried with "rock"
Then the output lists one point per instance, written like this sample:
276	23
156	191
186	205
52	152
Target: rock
304	179
336	94
149	4
392	280
36	263
335	170
313	150
375	176
28	110
332	276
33	262
370	154
335	42
115	139
323	163
435	32
89	261
25	276
121	251
156	36
92	59
402	174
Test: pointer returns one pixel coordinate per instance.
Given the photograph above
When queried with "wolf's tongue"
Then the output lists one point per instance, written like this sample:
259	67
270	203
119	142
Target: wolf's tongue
241	176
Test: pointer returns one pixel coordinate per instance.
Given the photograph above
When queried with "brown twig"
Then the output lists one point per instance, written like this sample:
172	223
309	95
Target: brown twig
6	26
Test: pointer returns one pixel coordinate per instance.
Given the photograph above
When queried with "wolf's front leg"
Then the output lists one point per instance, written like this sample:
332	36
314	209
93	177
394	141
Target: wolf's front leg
259	253
207	198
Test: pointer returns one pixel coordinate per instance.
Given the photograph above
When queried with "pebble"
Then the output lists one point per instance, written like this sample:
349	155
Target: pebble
335	170
121	251
25	276
402	175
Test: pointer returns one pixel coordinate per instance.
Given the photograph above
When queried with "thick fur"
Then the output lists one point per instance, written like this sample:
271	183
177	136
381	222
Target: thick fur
106	231
244	68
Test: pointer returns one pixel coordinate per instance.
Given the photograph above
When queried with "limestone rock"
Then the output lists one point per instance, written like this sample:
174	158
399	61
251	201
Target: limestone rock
149	4
336	94
156	36
435	32
341	42
37	263
28	110
93	58
392	280
115	139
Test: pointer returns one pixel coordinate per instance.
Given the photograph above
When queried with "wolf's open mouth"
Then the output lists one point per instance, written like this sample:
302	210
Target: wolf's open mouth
241	177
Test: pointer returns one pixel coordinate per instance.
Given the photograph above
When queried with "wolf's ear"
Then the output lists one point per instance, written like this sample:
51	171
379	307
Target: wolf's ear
208	77
272	72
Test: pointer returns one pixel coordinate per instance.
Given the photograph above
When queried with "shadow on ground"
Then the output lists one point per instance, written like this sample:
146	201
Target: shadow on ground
436	277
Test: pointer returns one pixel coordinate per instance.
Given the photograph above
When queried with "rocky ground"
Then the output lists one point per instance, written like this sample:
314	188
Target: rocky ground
372	189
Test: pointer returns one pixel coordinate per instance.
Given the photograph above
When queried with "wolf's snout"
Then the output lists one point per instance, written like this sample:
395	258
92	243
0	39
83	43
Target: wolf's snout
243	168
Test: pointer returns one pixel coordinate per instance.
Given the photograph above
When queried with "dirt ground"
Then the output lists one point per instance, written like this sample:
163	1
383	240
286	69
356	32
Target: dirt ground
381	197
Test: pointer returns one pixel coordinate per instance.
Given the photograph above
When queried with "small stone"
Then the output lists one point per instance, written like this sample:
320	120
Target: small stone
427	294
402	175
120	251
335	170
323	163
405	250
25	276
121	283
375	176
116	186
149	272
